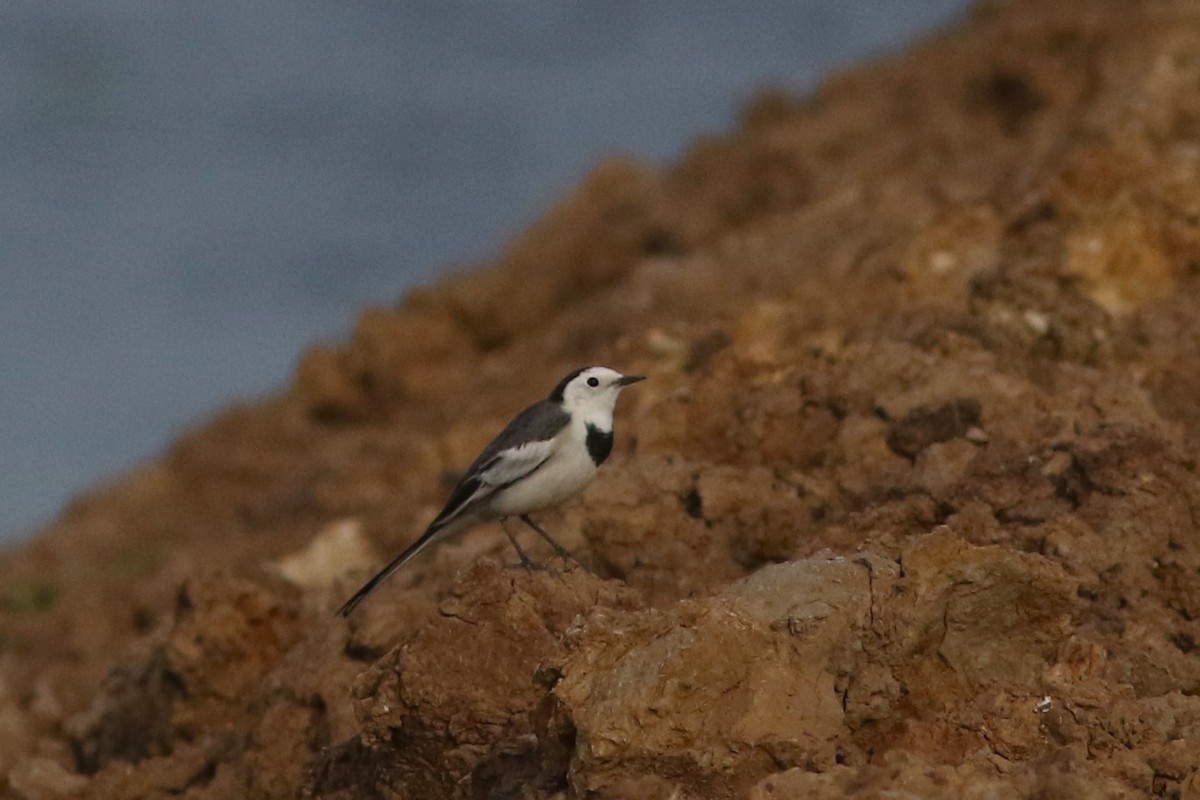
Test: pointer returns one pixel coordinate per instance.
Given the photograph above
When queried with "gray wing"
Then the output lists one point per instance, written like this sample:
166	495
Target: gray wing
540	422
524	445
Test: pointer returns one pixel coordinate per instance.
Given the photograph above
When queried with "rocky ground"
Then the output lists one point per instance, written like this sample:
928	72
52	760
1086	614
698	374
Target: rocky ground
910	501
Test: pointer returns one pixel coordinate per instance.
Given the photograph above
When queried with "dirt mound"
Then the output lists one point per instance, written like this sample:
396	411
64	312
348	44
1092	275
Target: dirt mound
910	500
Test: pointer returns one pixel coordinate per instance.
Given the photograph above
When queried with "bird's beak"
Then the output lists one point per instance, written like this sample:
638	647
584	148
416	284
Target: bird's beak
625	380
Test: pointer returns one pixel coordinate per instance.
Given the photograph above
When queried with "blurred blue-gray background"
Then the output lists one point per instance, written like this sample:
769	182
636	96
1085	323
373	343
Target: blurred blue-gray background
191	192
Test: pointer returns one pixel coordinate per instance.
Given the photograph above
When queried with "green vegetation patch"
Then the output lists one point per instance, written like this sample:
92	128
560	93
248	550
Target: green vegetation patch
28	598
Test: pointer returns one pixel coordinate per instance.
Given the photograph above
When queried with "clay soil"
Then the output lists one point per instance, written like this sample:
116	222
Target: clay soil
909	505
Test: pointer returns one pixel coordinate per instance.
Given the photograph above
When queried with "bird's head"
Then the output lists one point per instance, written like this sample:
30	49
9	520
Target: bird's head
591	391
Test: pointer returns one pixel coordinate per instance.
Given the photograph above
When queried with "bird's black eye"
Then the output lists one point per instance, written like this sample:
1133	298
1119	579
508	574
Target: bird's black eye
593	381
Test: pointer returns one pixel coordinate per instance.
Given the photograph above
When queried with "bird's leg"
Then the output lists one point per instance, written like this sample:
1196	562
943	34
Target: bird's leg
558	548
526	561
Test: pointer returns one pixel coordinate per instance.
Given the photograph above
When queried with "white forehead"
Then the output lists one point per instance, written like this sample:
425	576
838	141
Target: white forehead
605	375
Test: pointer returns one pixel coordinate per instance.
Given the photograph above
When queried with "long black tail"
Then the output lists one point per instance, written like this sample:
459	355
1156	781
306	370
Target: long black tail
396	563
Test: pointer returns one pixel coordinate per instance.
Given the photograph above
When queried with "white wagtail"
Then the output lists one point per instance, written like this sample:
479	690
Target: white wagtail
546	455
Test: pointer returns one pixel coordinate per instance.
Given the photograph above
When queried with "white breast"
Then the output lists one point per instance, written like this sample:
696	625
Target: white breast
564	475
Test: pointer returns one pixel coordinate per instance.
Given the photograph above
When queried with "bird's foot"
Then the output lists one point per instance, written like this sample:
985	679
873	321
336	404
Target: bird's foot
526	562
562	552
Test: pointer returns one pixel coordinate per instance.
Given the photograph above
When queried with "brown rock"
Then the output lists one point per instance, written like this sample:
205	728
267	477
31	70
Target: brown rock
719	687
44	779
468	693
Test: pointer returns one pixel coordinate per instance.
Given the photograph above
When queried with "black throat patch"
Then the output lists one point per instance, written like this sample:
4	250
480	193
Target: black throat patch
599	443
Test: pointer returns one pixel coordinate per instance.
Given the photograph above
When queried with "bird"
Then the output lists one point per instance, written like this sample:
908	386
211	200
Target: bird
547	454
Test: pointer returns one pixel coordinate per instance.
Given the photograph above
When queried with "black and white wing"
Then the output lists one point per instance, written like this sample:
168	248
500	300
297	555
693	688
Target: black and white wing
520	449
